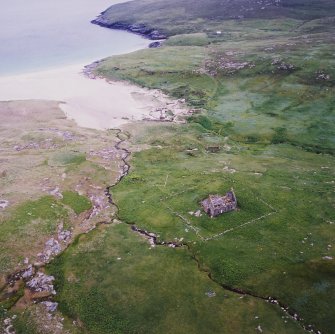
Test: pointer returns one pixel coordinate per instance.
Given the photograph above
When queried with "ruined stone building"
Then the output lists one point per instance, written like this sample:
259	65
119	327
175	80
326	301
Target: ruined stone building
215	205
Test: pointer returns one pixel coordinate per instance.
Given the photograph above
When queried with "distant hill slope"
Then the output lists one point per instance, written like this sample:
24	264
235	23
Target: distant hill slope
168	15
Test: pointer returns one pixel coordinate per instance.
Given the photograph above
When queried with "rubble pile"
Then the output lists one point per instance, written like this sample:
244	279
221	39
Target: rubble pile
41	283
282	66
223	64
8	326
65	135
320	75
3	203
50	306
46	144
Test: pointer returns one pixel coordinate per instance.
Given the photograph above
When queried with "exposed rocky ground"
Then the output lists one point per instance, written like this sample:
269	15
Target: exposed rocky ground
161	107
61	144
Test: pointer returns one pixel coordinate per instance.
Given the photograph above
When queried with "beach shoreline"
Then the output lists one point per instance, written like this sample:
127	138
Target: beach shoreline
91	102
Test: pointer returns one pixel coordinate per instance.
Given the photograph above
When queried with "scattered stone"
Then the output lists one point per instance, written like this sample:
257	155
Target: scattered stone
327	258
100	202
223	63
8	326
30	146
64	236
156	44
52	248
3	203
53	245
56	192
42	283
232	170
50	306
65	135
320	75
107	154
198	213
29	272
282	66
210	294
45	144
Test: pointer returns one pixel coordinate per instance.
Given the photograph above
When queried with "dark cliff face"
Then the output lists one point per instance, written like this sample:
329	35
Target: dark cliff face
140	29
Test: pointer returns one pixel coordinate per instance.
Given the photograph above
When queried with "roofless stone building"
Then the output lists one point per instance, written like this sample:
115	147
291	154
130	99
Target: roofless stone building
215	205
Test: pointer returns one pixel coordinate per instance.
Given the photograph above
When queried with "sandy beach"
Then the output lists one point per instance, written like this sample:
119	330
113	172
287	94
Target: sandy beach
92	103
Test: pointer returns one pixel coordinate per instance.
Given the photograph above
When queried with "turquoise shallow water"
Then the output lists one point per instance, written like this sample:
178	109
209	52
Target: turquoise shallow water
43	34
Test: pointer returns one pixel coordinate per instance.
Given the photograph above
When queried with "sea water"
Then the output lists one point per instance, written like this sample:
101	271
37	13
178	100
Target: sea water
44	34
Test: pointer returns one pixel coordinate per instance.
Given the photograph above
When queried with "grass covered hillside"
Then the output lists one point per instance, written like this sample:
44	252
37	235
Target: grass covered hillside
175	17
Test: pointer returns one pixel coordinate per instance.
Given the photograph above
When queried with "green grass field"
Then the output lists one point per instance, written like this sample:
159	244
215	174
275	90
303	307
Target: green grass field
266	91
130	288
273	245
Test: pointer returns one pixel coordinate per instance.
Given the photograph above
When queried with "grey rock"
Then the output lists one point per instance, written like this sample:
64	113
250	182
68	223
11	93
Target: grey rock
50	306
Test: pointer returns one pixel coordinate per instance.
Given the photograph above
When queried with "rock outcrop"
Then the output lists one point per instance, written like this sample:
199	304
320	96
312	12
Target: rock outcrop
140	29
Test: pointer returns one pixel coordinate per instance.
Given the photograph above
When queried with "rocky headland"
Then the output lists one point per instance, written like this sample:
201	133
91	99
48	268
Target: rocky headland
140	29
